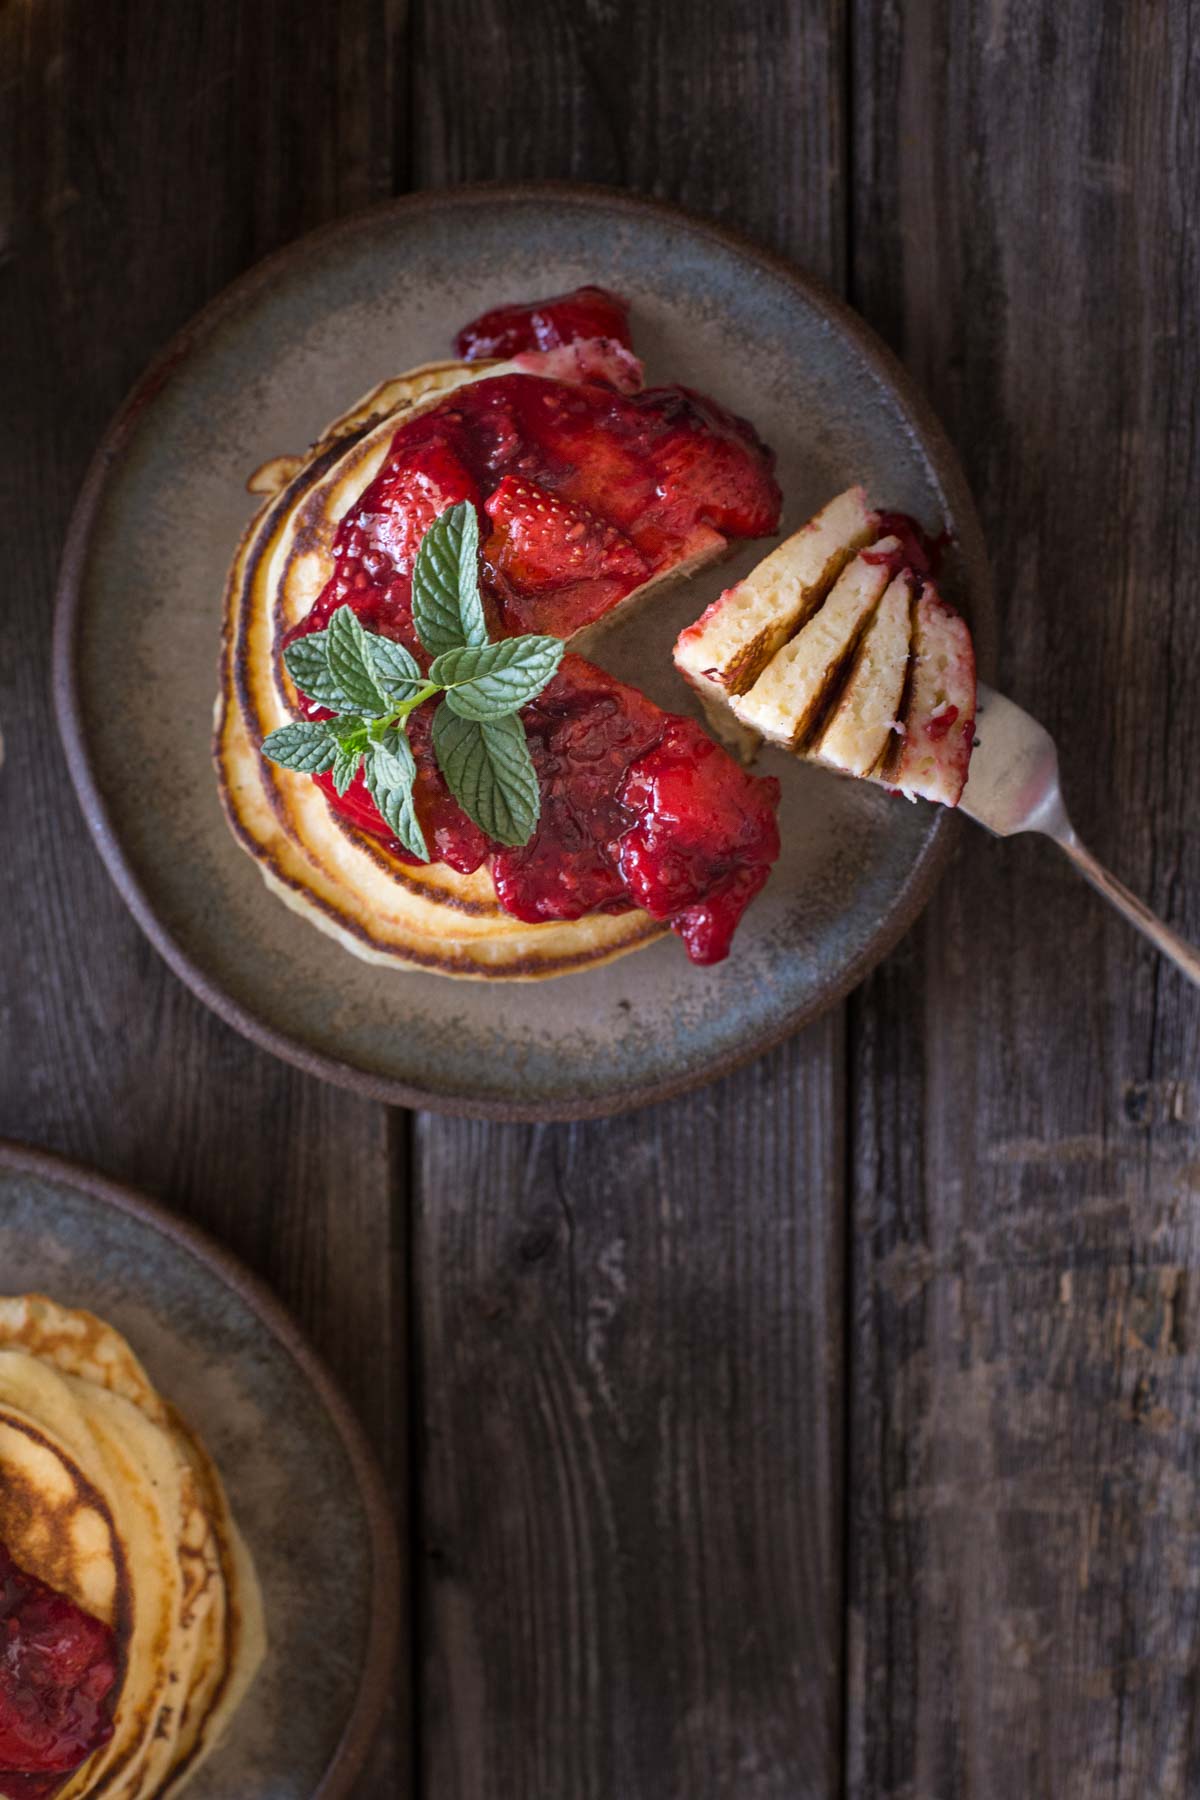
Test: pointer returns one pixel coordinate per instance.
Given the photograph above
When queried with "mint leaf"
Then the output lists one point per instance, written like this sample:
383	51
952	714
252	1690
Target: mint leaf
307	745
345	767
390	771
447	605
489	771
395	670
349	661
307	662
393	761
486	681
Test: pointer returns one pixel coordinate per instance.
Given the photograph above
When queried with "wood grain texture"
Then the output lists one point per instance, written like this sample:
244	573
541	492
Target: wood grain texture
631	1398
148	154
630	1334
732	109
630	1381
1025	1428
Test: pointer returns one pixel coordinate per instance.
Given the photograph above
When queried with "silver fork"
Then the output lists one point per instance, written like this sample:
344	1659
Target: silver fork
1013	786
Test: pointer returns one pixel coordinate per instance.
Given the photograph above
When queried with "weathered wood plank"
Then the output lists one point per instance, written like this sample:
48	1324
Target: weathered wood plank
631	1391
734	110
630	1334
1024	1552
148	154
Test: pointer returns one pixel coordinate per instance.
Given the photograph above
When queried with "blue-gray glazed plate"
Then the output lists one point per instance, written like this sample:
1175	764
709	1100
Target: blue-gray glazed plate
302	1482
258	373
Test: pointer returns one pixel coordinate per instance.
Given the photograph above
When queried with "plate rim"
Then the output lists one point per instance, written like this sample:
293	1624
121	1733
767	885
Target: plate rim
927	868
383	1632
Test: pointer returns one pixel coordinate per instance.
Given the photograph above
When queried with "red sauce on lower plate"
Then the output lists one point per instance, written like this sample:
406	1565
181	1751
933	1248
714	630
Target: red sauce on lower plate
58	1667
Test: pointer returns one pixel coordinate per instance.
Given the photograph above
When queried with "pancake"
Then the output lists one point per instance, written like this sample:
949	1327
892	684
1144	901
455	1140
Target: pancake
77	1343
932	759
731	643
843	652
343	880
107	1496
236	1629
55	1521
856	736
786	700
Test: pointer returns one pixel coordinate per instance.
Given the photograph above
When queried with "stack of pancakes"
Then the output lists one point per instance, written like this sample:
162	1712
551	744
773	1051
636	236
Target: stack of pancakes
110	1499
386	911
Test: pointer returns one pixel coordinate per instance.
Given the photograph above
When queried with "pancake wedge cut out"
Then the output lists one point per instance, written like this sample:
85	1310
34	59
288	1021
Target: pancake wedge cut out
874	676
385	908
108	1498
787	698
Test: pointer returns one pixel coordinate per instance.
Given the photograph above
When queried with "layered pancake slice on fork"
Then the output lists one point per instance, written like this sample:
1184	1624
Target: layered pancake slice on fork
839	648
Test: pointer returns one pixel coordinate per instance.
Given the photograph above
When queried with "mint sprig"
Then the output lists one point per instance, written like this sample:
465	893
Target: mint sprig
371	684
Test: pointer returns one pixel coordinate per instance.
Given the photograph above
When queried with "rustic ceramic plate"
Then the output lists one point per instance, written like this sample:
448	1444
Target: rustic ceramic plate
302	1483
259	372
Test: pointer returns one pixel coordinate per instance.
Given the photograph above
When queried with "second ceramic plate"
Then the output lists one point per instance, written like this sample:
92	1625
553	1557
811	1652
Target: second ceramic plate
301	1480
285	349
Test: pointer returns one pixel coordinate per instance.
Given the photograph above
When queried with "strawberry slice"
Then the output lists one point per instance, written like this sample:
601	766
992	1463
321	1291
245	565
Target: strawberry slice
375	547
541	541
588	312
408	495
711	465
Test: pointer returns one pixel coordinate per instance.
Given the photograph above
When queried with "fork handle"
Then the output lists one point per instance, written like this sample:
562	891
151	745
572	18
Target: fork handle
1181	953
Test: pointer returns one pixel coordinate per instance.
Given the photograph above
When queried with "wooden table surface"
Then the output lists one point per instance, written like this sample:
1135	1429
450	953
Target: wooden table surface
834	1430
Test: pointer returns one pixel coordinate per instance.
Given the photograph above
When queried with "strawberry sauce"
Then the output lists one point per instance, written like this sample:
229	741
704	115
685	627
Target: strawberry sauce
589	312
916	550
58	1667
639	808
584	493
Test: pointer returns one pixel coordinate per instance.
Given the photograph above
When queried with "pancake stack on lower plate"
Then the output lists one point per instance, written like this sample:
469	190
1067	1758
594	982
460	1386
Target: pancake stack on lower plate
108	1498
